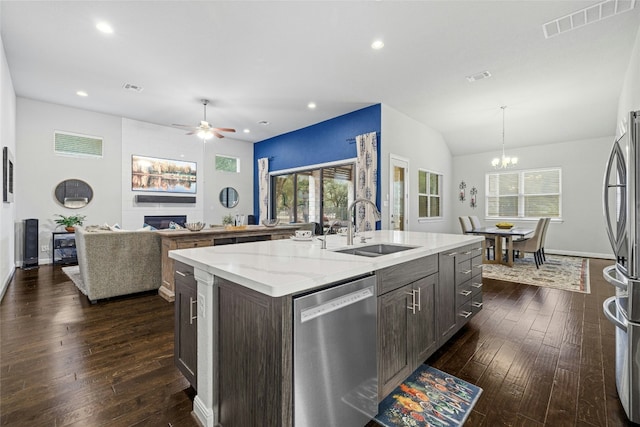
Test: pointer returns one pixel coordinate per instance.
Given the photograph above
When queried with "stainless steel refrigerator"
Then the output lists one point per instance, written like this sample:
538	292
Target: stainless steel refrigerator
621	206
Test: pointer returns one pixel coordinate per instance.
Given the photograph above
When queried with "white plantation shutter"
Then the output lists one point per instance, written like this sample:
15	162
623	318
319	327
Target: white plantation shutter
524	194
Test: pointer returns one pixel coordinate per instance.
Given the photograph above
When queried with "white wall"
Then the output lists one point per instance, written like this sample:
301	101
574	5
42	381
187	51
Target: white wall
39	169
582	229
630	95
145	139
7	139
425	148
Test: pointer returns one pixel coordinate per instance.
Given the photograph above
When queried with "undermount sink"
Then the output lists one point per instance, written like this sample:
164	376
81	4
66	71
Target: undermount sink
375	250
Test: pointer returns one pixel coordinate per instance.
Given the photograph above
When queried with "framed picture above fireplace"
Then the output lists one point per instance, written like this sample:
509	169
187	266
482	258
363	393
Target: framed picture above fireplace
162	175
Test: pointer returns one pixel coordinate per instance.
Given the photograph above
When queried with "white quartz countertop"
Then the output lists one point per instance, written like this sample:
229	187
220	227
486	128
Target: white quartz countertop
283	267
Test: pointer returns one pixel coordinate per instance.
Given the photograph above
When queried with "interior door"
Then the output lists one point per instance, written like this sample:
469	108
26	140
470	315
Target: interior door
399	194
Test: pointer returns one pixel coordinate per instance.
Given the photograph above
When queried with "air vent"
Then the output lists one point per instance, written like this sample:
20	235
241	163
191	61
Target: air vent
77	145
132	87
479	76
588	15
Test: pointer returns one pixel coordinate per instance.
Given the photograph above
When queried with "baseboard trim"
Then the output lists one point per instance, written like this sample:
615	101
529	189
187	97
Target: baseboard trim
204	415
5	284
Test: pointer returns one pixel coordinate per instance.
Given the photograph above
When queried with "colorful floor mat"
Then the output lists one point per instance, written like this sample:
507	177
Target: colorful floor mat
429	397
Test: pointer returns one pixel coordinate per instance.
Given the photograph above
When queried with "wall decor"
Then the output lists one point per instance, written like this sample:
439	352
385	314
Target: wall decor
229	197
7	175
162	175
462	197
73	193
473	192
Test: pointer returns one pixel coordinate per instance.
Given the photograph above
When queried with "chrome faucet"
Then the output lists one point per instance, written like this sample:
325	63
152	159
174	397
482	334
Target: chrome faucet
353	204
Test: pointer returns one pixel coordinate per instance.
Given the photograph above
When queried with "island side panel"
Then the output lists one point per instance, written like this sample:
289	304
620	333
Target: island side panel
255	359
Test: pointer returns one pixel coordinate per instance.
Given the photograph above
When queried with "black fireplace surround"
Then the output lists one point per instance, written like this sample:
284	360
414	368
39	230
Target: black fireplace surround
162	222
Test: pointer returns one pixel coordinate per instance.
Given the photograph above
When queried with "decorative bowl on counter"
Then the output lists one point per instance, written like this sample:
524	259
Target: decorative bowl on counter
270	222
505	225
194	226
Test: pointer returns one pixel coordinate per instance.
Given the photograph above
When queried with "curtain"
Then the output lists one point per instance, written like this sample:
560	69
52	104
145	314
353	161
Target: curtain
366	185
263	188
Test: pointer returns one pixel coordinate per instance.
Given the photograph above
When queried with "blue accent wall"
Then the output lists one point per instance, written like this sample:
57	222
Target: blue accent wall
323	142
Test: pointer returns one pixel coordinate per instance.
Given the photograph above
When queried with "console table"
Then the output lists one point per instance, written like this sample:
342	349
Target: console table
184	239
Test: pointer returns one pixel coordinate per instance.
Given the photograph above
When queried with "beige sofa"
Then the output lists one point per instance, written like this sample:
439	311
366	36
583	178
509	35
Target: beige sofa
114	263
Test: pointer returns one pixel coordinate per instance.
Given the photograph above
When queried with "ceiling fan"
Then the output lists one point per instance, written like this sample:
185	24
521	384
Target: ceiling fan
204	130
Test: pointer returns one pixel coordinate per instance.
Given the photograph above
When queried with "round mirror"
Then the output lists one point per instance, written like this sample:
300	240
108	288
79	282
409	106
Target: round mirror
73	193
229	197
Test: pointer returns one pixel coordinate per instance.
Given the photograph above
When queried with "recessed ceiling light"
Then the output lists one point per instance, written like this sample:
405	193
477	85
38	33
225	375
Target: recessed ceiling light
263	122
82	93
246	131
311	105
377	45
104	27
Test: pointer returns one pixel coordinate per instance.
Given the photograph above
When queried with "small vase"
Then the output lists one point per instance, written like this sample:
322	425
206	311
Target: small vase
70	229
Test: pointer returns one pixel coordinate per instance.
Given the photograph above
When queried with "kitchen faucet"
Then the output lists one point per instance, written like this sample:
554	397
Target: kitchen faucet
324	239
353	204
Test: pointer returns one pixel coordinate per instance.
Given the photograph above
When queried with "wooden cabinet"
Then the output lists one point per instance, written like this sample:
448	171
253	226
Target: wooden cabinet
186	323
255	358
406	320
459	291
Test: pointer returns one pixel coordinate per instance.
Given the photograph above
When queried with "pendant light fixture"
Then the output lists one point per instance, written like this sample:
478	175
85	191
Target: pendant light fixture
504	162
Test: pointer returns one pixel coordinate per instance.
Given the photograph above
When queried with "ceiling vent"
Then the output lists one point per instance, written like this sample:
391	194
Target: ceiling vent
77	145
132	87
588	15
479	76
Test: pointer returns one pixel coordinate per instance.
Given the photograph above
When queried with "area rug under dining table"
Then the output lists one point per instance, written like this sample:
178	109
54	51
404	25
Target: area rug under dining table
558	272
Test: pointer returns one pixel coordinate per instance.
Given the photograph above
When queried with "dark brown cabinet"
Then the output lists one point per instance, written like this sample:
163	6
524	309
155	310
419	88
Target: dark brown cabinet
186	323
459	293
406	320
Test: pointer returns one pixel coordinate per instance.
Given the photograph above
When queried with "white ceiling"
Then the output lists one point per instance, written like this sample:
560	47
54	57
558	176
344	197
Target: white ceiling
264	60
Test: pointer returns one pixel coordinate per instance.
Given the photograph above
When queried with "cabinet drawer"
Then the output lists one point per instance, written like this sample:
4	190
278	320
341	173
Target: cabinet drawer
464	294
476	302
184	275
463	271
393	277
464	313
186	244
476	285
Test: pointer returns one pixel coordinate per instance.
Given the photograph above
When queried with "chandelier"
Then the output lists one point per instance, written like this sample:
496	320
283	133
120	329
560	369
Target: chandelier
504	162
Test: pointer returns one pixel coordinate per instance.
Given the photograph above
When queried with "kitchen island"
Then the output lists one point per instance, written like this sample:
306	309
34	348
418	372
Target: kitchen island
244	312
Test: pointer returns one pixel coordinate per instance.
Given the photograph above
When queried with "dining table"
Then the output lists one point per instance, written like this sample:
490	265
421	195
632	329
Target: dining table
508	234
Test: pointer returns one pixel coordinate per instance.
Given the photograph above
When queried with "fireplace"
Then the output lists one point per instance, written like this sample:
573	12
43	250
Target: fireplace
162	221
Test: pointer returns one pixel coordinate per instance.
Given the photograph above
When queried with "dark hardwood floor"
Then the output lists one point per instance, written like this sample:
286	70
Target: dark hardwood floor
543	357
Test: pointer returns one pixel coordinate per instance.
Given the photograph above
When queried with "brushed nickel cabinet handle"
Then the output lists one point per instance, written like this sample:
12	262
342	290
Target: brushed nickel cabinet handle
465	293
477	285
412	306
419	300
467	272
453	254
466	314
191	316
180	273
476	304
468	253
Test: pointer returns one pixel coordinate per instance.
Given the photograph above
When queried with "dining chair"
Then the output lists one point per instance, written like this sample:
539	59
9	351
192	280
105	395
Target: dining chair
490	242
465	224
544	237
532	244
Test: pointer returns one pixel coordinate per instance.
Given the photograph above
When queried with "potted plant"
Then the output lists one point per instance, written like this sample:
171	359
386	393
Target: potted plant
69	221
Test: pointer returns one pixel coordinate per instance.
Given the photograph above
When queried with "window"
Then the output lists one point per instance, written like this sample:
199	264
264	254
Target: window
429	194
524	194
227	164
315	195
77	145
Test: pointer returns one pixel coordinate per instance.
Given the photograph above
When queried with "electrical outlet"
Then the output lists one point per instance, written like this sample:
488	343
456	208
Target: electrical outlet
44	248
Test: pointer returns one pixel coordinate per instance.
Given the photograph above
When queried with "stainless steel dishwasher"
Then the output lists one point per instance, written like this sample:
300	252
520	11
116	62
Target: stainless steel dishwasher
335	366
